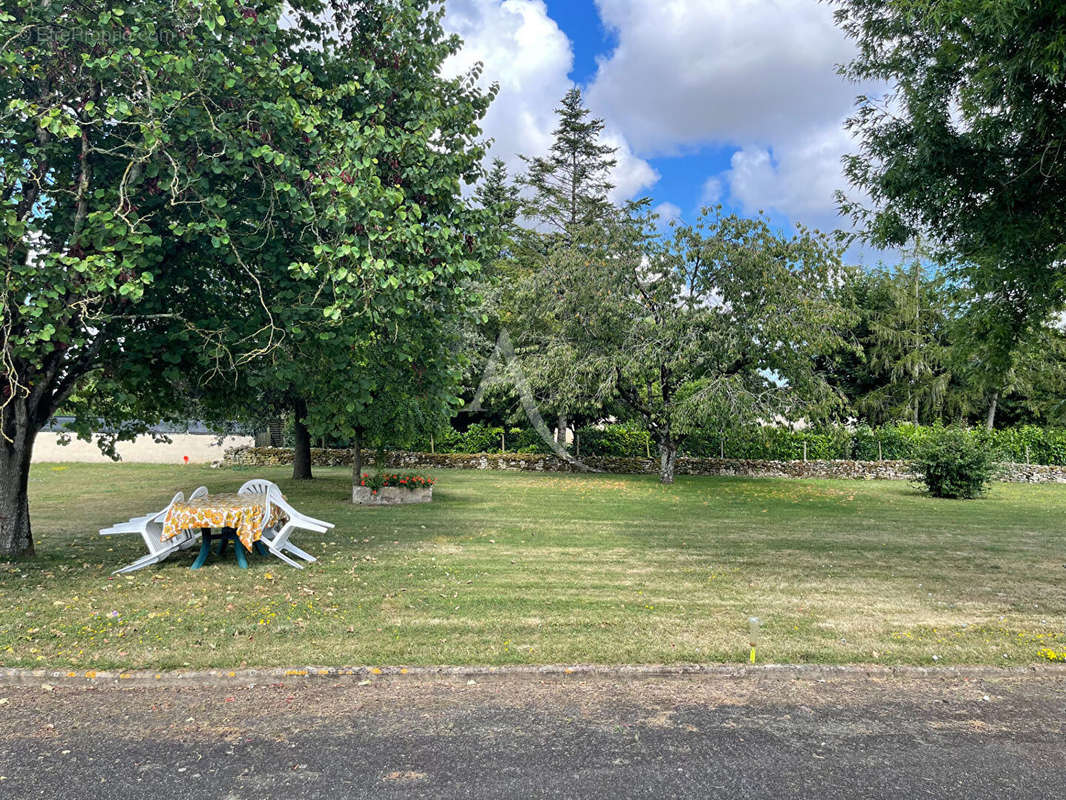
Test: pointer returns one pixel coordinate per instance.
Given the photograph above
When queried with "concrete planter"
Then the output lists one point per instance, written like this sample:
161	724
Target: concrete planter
390	496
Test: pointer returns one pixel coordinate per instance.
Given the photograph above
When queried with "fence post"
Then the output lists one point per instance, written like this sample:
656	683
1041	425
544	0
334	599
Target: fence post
721	447
1027	454
577	443
432	444
805	450
647	446
503	442
879	458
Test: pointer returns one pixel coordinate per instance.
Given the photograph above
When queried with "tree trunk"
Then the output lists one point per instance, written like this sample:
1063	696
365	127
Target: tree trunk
990	417
667	460
357	458
301	457
560	431
15	536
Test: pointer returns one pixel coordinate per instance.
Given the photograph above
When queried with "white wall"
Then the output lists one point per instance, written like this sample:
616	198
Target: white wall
200	449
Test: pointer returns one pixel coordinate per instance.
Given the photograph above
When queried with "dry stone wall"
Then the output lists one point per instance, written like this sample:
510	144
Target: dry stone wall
540	463
535	462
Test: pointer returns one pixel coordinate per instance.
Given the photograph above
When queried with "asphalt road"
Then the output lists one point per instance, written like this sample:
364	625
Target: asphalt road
755	735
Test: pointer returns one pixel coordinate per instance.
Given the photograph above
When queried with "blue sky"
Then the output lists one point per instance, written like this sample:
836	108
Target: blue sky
681	177
735	101
581	22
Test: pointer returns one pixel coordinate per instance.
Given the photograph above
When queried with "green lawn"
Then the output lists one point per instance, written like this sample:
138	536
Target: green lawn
509	568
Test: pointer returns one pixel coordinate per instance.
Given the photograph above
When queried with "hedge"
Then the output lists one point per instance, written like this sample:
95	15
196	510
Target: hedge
484	439
1025	444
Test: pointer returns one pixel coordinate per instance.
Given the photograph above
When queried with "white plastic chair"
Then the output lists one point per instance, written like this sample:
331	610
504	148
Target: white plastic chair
263	486
151	530
190	541
277	540
258	486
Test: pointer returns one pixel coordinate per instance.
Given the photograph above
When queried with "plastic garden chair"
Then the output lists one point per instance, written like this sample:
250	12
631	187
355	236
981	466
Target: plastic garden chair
151	530
257	486
276	540
263	486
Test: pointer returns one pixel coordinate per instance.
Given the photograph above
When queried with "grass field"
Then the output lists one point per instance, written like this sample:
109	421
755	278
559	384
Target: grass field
508	568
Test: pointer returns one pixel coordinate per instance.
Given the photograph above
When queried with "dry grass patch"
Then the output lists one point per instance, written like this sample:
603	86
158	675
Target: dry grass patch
525	568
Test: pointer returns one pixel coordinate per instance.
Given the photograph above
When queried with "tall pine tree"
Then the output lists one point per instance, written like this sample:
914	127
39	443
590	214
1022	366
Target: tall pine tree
570	185
566	202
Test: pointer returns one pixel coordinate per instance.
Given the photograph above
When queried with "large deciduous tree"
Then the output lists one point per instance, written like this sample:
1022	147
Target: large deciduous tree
337	374
967	151
123	139
170	191
720	319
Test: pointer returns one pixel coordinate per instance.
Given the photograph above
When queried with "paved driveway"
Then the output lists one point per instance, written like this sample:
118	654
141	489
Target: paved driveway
774	735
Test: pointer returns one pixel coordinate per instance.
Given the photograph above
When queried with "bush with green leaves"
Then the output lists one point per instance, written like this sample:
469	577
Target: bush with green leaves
480	438
954	464
898	442
621	440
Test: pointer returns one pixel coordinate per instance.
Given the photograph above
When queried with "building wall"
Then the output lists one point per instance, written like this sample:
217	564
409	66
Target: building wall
200	448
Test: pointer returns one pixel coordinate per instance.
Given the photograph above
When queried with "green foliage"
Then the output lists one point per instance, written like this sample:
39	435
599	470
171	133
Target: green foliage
566	206
897	442
386	368
480	438
229	209
904	314
954	465
771	443
917	348
718	322
621	440
570	185
1027	443
967	153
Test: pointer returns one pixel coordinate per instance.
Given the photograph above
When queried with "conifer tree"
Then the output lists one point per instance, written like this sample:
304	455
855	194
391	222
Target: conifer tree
566	205
570	185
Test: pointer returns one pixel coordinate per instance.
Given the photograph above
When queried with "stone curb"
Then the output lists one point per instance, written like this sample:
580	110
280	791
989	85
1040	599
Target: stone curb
50	678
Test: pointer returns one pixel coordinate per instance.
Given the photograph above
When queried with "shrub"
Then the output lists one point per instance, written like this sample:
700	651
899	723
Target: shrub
480	438
899	441
954	464
621	440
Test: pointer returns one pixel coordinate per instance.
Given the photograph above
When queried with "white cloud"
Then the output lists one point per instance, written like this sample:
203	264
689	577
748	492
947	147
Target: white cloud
712	191
689	72
525	51
757	75
528	55
668	212
798	177
631	174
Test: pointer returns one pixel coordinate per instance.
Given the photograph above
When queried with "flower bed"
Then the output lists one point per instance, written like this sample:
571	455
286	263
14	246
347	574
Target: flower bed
392	488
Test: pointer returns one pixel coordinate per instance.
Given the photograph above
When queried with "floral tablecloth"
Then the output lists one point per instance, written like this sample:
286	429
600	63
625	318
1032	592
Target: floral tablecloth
244	512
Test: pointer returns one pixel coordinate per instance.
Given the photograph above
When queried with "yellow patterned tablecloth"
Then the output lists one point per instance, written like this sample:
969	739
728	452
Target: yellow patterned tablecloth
241	511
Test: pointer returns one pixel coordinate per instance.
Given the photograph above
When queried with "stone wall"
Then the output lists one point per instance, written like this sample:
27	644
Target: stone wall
390	495
536	462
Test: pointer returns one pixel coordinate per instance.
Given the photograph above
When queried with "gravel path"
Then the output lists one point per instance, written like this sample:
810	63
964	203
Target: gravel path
777	734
